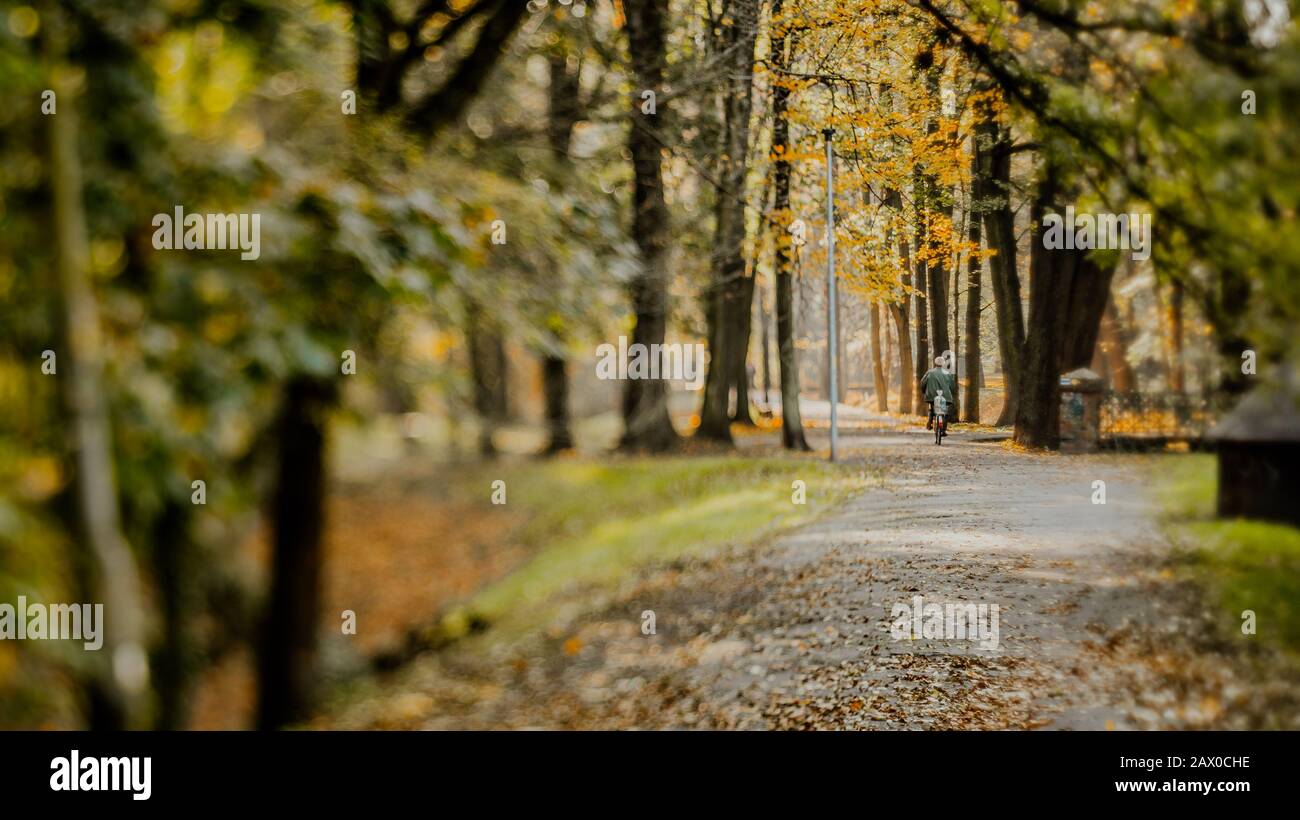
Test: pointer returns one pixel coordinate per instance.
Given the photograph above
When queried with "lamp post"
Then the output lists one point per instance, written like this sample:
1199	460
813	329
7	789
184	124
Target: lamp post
832	352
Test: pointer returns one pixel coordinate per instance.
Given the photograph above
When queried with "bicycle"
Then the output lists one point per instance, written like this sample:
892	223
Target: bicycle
940	410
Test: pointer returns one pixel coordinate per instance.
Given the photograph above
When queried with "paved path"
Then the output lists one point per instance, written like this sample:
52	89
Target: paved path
796	633
964	523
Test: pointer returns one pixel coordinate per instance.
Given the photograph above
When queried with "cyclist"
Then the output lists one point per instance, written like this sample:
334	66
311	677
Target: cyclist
935	381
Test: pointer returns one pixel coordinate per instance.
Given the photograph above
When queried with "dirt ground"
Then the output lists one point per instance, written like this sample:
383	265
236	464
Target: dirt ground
1094	630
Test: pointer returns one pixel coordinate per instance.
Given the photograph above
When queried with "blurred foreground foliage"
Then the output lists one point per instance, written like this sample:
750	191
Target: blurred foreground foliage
369	238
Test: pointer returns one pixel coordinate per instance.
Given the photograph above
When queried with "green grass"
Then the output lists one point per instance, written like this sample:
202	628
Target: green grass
1245	564
594	524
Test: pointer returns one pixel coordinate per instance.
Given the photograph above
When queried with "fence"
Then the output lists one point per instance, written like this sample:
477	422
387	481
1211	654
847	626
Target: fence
1136	416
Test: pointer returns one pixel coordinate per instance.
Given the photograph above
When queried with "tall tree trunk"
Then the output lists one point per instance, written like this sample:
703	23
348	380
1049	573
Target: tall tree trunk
287	659
121	670
841	354
564	108
931	202
555	387
729	286
900	313
1177	367
765	327
973	273
906	384
955	302
647	425
938	302
887	329
1113	344
174	665
742	381
792	435
488	370
1067	295
877	361
993	144
1226	308
1037	412
920	188
743	322
923	357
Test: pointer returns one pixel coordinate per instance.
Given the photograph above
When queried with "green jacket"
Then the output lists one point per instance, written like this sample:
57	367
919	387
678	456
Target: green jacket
937	379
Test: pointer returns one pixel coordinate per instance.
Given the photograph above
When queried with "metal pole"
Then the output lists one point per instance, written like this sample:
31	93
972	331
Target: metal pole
832	351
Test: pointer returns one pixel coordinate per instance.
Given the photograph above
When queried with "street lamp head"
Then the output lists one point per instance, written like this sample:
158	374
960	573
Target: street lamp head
828	133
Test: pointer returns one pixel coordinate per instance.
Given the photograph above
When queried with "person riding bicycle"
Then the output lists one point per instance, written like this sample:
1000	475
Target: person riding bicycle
937	380
940	410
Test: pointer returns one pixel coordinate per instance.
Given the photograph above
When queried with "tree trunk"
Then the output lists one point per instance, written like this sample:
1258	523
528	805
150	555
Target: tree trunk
900	314
743	325
555	386
1113	344
973	273
994	158
647	425
120	672
174	662
938	302
841	354
930	200
955	302
792	435
1177	368
923	357
728	289
906	384
887	329
765	327
1226	306
1067	296
564	108
877	361
488	370
921	285
1037	410
921	282
287	660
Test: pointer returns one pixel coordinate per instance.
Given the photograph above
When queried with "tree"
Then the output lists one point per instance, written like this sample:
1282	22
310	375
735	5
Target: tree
287	660
122	675
792	435
974	274
730	295
564	109
879	382
993	159
645	401
1067	294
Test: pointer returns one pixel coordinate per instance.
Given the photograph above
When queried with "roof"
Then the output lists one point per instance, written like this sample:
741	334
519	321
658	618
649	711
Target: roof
1081	379
1265	414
